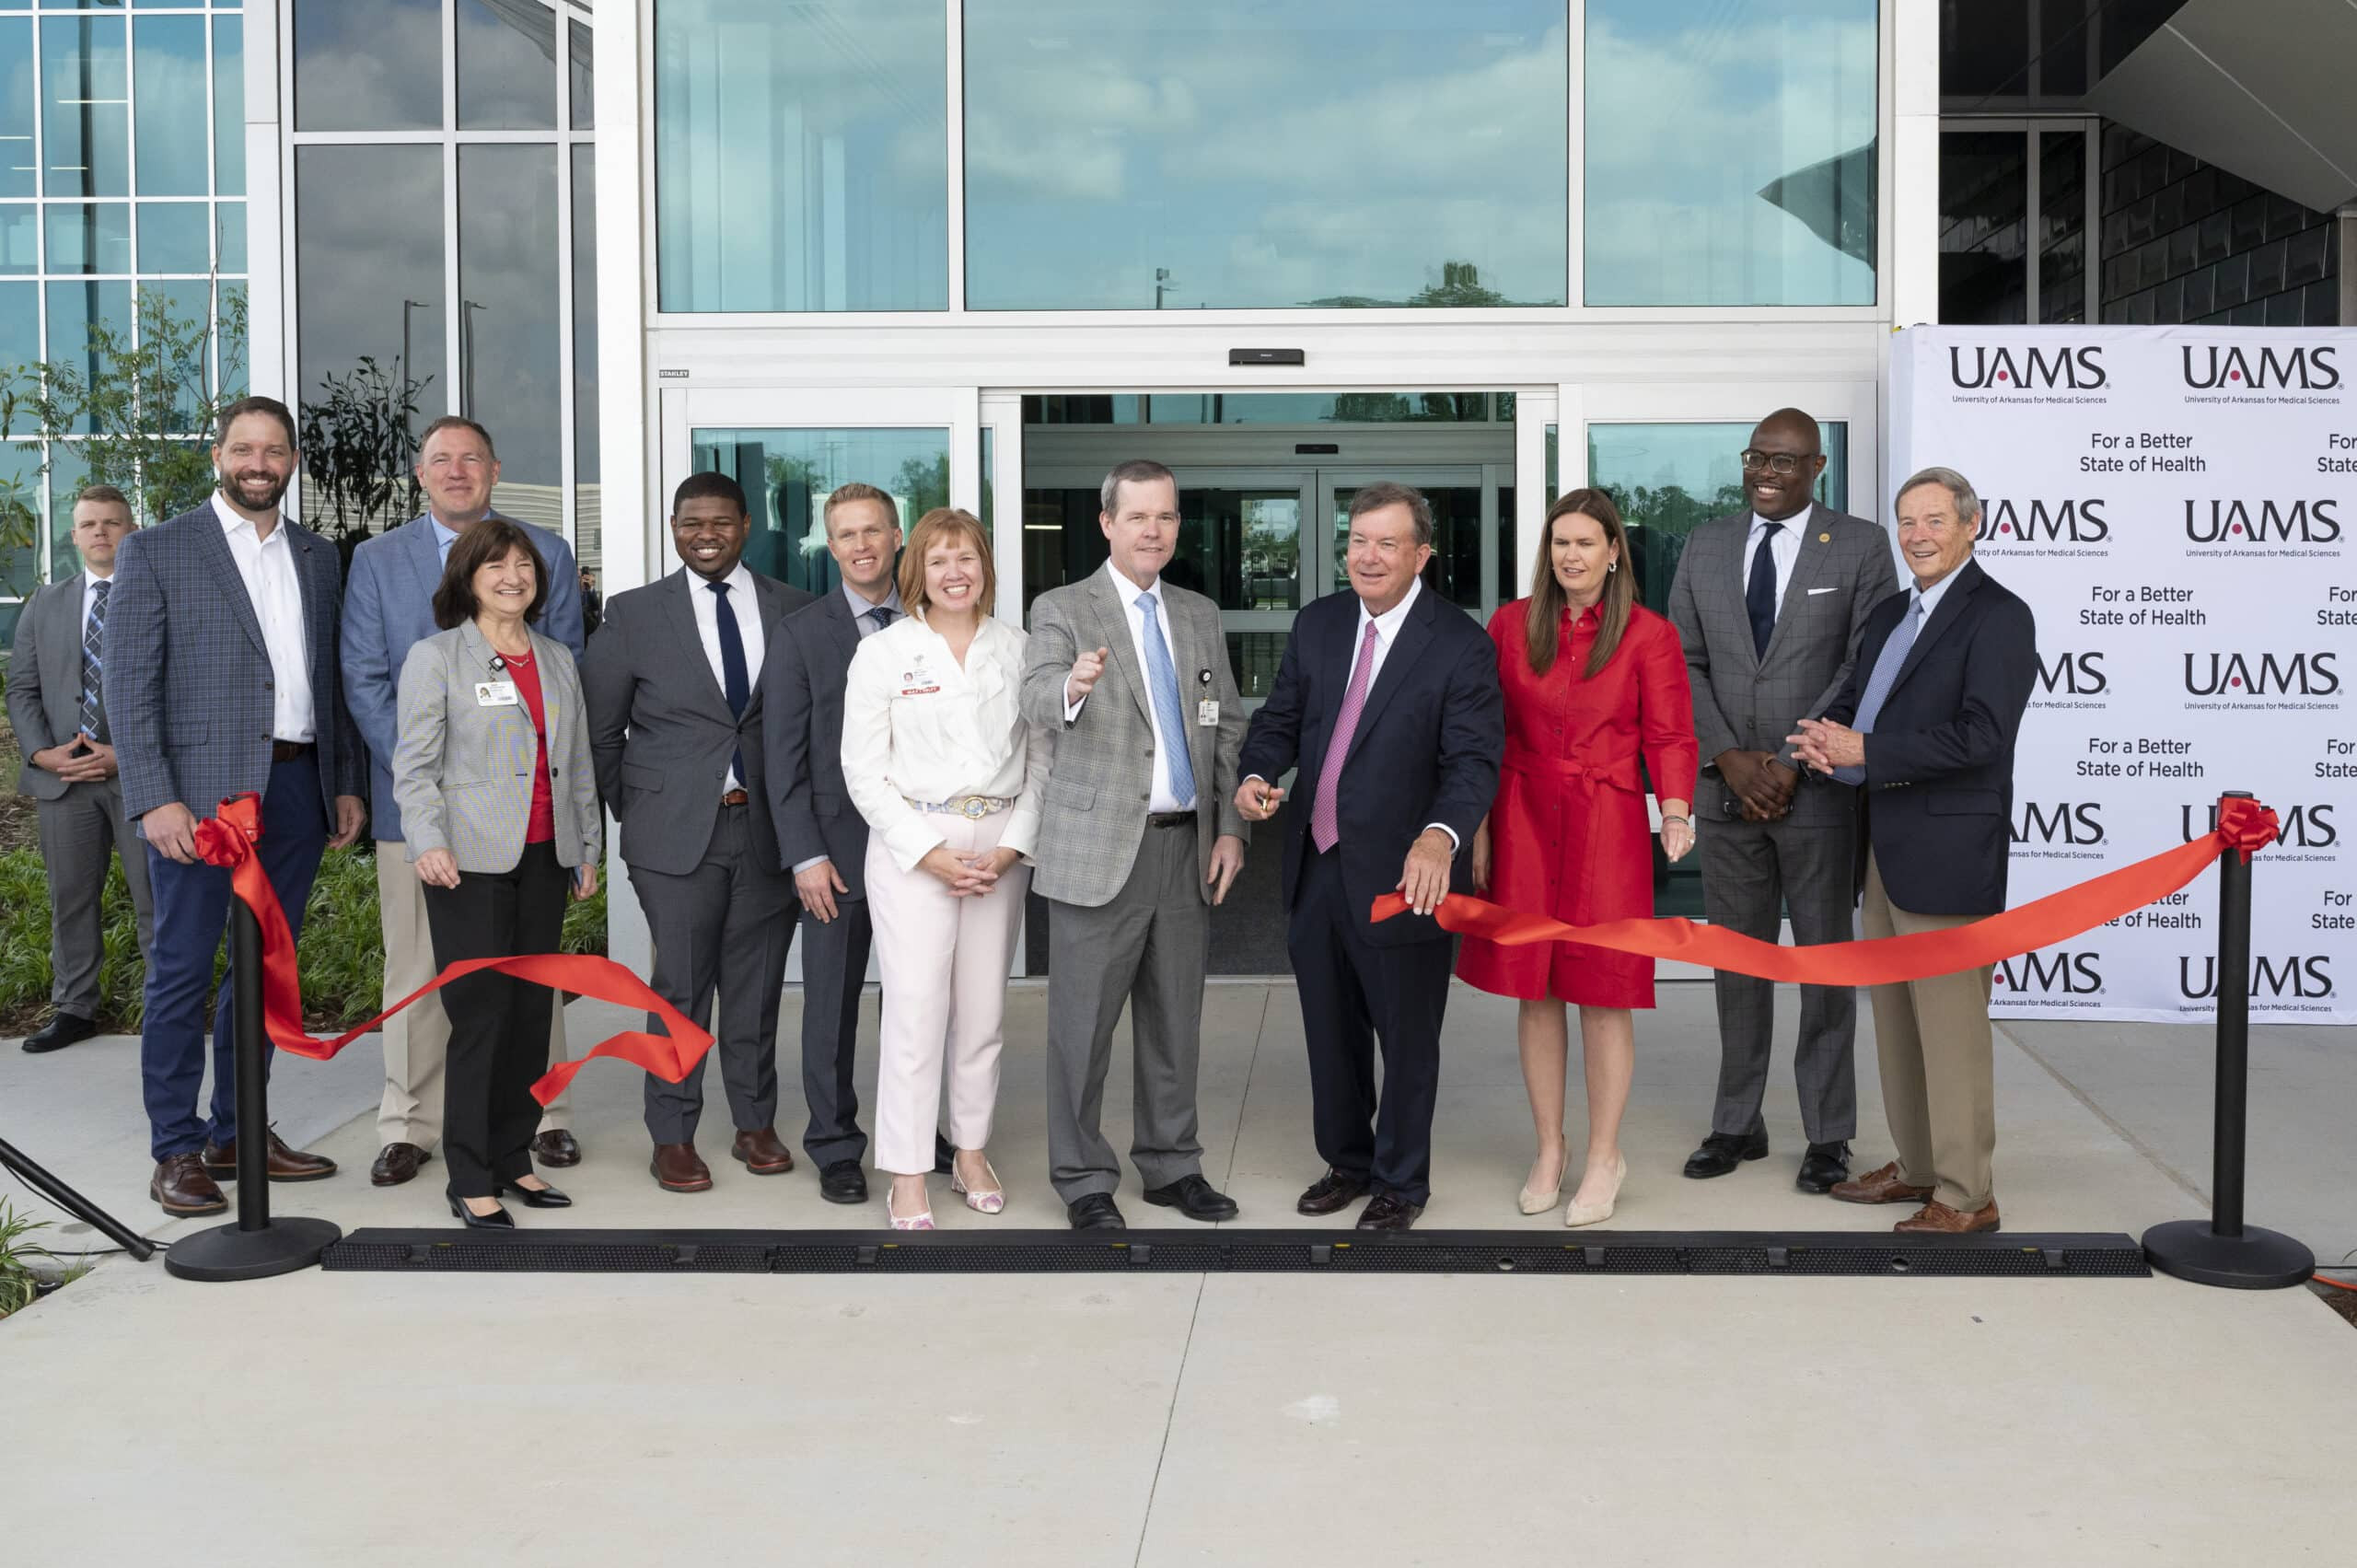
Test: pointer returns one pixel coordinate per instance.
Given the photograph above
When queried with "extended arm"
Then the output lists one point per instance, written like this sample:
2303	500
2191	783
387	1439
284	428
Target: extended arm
1713	732
422	722
28	715
608	683
138	660
786	704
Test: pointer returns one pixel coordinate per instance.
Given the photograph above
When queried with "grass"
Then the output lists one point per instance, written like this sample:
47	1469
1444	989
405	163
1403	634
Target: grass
20	1283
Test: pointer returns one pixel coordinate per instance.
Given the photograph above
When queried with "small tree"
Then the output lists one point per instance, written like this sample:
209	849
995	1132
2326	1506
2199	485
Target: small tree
359	449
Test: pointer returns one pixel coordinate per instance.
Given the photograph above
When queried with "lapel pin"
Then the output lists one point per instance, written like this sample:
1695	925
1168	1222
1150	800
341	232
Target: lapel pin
1824	538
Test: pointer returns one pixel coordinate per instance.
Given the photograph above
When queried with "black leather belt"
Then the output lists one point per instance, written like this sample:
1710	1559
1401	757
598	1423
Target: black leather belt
1170	818
287	750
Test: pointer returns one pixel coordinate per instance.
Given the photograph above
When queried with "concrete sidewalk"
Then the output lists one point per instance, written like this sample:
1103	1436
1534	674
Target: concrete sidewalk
1232	1419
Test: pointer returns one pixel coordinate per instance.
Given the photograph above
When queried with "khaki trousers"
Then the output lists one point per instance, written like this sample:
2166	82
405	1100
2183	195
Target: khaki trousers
417	1039
1938	1078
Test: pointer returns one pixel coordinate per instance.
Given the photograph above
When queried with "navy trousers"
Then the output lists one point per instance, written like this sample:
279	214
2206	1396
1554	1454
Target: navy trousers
191	914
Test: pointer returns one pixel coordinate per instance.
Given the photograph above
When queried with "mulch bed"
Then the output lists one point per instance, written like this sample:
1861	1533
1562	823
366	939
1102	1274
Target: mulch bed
2343	1301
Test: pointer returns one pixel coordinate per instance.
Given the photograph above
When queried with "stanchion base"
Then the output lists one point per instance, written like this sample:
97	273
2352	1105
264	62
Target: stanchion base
2257	1260
225	1253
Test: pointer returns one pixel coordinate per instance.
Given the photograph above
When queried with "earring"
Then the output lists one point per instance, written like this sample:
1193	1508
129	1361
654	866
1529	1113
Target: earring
1614	566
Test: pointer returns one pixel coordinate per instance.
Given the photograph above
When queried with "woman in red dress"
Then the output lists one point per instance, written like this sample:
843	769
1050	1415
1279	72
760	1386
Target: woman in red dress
1592	681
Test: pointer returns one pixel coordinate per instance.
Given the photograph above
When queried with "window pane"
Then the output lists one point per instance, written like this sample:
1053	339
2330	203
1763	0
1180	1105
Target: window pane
508	356
19	341
1731	152
585	543
1176	154
19	239
20	526
373	68
229	338
788	474
2062	226
229	221
16	99
801	155
172	68
73	309
580	52
230	106
175	237
186	305
368	274
89	237
68	472
1984	198
85	98
506	67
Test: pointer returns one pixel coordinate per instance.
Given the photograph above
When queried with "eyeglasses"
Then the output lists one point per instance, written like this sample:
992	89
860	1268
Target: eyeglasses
1783	464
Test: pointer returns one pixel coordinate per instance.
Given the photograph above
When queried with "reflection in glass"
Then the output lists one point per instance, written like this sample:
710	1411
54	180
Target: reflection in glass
506	66
367	276
1455	570
230	106
67	474
801	155
85	131
1513	579
89	237
174	237
1062	541
19	237
186	303
1984	200
20	339
507	322
580	59
170	65
1253	658
373	68
74	309
17	176
2062	226
586	515
788	474
230	337
1184	154
1731	152
229	221
19	513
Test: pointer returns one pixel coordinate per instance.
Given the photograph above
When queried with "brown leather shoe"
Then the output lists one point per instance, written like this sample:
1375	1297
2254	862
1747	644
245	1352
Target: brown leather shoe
556	1147
677	1169
396	1163
1881	1185
1936	1218
761	1152
182	1188
279	1162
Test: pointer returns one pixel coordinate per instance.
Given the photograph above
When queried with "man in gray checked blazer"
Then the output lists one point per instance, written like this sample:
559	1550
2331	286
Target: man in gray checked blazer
71	771
1139	838
221	679
1770	604
675	724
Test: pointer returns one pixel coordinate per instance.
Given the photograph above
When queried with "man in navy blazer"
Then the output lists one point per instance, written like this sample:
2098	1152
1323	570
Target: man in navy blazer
220	680
388	606
1925	729
1388	699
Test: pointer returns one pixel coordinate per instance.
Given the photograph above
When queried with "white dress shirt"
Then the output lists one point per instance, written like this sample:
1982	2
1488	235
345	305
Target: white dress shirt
277	594
1785	548
1165	798
917	726
749	631
90	581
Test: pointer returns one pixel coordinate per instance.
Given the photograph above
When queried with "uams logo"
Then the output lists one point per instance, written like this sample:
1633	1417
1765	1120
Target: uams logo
2060	973
2004	370
2075	675
2056	522
2075	822
2268	675
2305	977
2296	827
2234	369
2272	522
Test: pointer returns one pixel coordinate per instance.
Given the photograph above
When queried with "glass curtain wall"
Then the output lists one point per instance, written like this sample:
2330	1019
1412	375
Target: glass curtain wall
442	261
122	172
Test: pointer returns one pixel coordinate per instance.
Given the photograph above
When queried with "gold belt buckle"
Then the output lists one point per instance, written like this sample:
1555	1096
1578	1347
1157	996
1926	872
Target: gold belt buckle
973	808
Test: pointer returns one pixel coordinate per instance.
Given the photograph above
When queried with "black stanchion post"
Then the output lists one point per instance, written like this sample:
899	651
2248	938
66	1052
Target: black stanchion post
2223	1252
255	1246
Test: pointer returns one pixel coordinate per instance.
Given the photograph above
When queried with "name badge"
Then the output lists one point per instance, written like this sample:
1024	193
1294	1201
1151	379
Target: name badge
495	695
1207	713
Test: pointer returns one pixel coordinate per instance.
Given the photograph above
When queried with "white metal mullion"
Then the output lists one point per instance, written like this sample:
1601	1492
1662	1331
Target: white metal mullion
2033	218
954	110
453	307
43	561
211	211
2093	205
567	459
1576	160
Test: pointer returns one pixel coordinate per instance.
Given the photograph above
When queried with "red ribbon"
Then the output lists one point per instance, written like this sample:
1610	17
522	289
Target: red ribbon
227	839
2243	825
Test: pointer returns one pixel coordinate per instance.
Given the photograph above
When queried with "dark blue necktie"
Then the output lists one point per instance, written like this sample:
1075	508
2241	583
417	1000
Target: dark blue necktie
734	684
1759	593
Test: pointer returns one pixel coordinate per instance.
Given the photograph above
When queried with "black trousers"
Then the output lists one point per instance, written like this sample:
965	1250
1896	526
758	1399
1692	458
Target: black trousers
499	1026
1352	993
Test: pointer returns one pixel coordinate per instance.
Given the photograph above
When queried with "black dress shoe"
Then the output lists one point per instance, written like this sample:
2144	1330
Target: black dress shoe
536	1197
556	1147
842	1181
1388	1210
1332	1193
1097	1211
1722	1152
1193	1197
498	1219
1824	1164
396	1163
61	1031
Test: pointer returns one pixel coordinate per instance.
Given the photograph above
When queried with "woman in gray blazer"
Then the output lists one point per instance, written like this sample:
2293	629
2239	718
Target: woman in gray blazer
499	799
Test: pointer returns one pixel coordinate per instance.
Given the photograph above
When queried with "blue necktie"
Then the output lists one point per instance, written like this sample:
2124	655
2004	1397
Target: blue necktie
1163	677
734	683
1760	592
1879	679
94	642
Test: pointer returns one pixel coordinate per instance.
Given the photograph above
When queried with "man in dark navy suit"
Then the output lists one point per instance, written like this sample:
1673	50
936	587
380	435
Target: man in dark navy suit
1925	729
1388	699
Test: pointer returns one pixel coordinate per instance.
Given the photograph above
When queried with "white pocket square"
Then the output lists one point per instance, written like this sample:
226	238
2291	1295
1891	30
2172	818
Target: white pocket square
1814	592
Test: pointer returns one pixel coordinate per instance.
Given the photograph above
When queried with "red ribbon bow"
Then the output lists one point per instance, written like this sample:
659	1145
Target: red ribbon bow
227	839
2243	824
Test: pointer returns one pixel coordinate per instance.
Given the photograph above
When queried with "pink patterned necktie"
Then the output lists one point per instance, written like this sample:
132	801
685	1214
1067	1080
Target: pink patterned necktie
1324	830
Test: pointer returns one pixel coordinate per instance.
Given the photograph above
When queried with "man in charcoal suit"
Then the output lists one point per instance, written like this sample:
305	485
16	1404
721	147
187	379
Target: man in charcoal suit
1770	604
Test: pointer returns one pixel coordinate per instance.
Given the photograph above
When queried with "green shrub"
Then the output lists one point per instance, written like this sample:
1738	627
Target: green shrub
18	1284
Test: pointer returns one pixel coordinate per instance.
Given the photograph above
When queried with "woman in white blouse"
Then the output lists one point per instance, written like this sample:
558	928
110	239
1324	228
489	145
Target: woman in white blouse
948	775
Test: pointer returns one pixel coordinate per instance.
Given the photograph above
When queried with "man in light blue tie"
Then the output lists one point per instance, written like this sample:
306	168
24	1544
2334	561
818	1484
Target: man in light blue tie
1139	838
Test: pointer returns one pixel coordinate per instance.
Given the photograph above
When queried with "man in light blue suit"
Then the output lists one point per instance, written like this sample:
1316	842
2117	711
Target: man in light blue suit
388	605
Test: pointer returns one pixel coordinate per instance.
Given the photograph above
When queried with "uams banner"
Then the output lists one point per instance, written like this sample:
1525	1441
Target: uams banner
2178	505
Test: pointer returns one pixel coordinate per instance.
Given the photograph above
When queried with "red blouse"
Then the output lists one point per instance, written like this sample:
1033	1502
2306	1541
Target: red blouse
525	671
